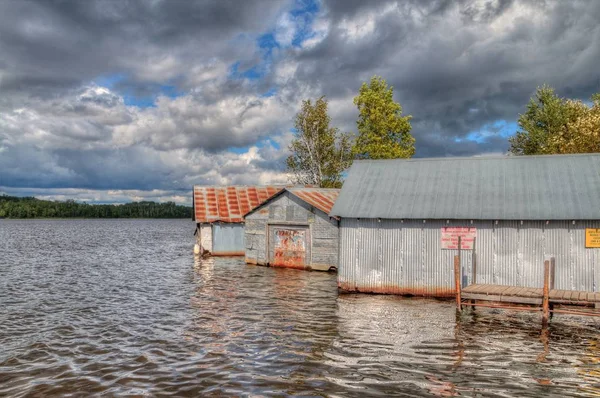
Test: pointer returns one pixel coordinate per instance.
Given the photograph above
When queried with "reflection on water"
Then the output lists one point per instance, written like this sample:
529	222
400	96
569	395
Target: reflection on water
121	307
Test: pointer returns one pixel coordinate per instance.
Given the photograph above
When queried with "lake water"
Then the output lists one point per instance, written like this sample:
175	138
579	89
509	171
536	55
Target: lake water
122	308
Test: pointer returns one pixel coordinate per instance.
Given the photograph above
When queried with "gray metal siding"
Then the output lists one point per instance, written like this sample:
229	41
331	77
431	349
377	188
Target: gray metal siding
391	256
228	238
325	239
557	187
288	209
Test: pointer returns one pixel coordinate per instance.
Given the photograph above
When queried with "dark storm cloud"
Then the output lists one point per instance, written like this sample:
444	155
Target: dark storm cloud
136	168
47	45
100	169
458	66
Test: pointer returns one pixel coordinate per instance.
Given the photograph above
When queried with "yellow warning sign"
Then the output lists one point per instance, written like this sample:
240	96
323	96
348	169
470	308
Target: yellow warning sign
592	237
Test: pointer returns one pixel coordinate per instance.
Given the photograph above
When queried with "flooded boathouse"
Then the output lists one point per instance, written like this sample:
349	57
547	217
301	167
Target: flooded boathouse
401	220
293	229
218	213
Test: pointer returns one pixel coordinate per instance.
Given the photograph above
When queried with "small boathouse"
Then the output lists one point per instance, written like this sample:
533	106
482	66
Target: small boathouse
293	229
218	213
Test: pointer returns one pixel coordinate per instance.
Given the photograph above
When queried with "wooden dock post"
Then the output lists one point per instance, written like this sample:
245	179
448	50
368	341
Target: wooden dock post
457	282
474	264
551	286
474	269
546	294
552	271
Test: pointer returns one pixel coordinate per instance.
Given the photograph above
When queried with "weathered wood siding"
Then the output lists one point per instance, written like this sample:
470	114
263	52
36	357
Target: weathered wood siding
287	209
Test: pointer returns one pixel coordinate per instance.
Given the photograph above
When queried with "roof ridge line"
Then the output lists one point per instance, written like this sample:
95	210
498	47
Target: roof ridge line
477	157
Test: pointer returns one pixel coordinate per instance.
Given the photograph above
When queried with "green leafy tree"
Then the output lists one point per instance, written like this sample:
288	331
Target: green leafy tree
582	134
320	153
383	133
547	117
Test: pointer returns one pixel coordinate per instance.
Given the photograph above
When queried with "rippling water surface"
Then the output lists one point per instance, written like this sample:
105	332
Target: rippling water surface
122	308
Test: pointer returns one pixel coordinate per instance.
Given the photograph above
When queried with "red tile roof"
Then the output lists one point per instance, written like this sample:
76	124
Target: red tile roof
228	204
321	198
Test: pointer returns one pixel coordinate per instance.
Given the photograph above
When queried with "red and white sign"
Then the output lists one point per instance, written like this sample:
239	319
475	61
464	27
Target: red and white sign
450	237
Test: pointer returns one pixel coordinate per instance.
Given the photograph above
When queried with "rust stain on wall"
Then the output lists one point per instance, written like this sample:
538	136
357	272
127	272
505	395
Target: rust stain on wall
290	248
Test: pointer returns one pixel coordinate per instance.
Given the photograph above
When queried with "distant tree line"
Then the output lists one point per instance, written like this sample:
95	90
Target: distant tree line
29	207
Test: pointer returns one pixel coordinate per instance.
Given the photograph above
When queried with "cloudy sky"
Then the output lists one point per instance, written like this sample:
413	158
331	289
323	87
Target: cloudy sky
112	101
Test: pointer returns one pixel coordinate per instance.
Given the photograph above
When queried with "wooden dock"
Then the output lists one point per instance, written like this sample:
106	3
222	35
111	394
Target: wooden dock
528	295
545	299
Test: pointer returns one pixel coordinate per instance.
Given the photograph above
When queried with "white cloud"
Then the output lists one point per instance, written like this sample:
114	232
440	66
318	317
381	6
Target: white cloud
95	115
80	120
213	71
192	121
320	30
285	71
285	30
364	25
90	138
358	28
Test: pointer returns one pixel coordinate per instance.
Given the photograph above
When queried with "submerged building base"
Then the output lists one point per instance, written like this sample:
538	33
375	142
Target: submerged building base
424	291
228	254
311	267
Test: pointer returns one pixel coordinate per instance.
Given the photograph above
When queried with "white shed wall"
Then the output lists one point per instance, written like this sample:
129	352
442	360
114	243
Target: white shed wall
204	237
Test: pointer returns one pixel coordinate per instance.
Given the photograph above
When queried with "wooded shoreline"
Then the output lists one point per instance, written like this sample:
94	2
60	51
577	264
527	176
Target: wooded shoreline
30	207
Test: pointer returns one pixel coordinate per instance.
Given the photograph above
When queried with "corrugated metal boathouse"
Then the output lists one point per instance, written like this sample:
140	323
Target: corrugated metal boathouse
401	219
218	212
293	229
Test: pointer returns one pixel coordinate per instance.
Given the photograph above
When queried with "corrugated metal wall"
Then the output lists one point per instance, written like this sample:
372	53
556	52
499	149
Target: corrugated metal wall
391	256
288	209
228	239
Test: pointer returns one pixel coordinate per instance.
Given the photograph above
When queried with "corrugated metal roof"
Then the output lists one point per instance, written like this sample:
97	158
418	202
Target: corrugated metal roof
229	203
320	198
554	187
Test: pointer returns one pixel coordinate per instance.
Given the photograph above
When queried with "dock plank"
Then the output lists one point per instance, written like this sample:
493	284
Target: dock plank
558	294
532	292
526	292
512	291
492	290
482	288
501	299
475	288
505	290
